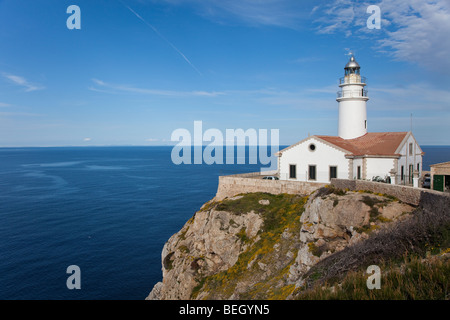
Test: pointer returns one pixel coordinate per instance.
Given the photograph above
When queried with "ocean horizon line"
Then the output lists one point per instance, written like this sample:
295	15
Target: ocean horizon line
162	145
125	145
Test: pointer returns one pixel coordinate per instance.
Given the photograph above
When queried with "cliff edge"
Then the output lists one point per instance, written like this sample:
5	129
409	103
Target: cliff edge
265	246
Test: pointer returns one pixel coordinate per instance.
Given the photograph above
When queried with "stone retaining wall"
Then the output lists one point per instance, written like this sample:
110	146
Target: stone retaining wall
230	186
410	195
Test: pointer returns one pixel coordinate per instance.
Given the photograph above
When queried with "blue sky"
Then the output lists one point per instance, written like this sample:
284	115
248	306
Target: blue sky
139	69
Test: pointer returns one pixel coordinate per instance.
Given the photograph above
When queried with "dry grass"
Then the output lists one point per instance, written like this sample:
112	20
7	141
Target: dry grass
426	232
415	280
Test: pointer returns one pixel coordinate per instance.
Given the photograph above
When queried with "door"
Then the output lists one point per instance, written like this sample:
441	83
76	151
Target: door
292	171
312	172
438	182
333	172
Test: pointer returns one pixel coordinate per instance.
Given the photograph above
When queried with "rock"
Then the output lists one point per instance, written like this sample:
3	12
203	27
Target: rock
262	266
305	259
349	211
156	292
212	241
207	244
358	237
330	224
395	211
337	217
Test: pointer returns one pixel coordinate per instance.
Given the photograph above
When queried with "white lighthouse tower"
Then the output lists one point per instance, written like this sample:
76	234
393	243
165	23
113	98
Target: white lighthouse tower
352	100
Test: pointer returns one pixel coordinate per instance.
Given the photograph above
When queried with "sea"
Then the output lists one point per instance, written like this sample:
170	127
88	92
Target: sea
106	210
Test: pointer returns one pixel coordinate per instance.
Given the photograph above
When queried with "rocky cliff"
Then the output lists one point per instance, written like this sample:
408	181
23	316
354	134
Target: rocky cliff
260	245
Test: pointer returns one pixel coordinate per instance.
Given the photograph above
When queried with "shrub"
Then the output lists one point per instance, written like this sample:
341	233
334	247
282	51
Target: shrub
370	201
242	235
184	249
415	235
419	280
316	250
335	202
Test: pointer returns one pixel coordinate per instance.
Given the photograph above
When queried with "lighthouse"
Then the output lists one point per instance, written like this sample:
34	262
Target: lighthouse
355	153
352	98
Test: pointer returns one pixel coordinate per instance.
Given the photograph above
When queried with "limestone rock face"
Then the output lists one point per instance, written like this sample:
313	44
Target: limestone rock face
208	243
212	242
334	221
333	218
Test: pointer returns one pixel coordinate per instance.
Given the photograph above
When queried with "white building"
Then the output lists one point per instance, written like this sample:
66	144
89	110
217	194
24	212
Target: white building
354	153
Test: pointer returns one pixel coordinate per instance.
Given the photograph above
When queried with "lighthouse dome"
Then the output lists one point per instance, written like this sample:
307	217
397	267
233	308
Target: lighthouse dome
352	64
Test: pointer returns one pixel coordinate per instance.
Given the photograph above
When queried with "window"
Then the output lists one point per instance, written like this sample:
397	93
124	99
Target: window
418	167
365	124
312	147
358	175
402	173
292	171
333	172
312	172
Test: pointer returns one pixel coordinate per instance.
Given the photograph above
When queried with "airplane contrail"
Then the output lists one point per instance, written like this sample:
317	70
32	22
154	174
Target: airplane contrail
162	37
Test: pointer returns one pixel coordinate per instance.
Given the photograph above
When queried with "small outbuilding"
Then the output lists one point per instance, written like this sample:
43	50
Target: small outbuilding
440	176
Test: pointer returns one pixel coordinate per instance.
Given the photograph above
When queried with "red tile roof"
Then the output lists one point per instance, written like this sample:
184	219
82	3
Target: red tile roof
372	143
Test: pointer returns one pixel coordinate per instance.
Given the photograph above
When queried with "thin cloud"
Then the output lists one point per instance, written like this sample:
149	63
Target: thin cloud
115	88
336	17
307	60
411	97
21	81
162	37
19	114
280	13
420	32
411	30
